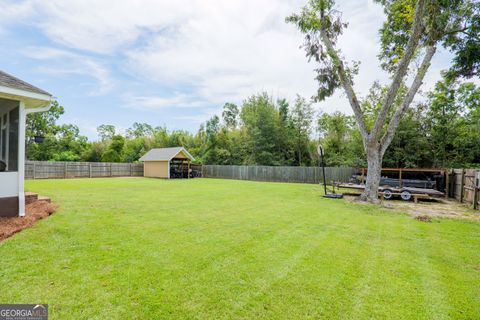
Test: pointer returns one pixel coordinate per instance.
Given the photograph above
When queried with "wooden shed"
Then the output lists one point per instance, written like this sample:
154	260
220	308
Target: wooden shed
167	163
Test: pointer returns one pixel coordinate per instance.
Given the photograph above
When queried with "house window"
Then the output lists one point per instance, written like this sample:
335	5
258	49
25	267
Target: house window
3	136
13	124
9	127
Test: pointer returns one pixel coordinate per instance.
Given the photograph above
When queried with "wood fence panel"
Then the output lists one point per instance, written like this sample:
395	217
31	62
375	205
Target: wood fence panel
67	170
279	174
468	184
457	183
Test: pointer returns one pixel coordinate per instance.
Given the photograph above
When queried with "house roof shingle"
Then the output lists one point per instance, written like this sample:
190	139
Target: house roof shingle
10	81
165	154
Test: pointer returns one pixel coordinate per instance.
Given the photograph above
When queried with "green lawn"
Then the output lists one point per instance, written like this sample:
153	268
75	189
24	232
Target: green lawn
135	248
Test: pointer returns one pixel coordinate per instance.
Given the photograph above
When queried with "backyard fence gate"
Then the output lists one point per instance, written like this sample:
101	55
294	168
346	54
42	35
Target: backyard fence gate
464	186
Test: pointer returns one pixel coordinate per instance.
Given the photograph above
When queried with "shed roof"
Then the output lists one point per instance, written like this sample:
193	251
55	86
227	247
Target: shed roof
10	81
165	154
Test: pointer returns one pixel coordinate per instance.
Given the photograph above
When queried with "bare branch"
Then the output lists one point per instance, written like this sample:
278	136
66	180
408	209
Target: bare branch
417	82
412	45
342	74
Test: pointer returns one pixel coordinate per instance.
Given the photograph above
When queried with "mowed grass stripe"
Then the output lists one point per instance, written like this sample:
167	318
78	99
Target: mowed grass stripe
135	248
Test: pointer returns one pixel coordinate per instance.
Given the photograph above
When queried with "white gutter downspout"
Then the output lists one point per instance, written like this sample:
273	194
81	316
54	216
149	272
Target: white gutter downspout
22	121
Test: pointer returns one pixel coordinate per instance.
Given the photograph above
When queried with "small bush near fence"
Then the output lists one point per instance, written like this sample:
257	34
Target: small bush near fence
65	170
279	174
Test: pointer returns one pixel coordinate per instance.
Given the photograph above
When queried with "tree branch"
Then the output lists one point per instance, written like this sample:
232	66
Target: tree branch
342	74
462	30
402	68
417	82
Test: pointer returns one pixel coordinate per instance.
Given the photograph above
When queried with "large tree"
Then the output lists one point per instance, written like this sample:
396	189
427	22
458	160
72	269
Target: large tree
106	131
413	30
302	117
137	130
114	152
261	120
341	140
230	115
453	123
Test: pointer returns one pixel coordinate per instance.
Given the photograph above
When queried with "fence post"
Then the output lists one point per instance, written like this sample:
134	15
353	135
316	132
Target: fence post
447	183
462	186
89	170
34	168
131	173
65	170
476	191
111	175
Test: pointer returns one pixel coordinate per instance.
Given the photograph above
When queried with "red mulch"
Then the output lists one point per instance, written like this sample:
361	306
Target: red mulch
34	211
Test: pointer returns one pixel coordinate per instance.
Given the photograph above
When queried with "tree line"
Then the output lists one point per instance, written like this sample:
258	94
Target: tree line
441	131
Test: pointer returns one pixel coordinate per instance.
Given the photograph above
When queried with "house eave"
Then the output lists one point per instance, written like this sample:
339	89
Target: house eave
31	99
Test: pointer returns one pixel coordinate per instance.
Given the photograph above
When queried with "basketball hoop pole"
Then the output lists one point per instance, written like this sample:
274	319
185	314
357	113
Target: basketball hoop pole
332	195
322	163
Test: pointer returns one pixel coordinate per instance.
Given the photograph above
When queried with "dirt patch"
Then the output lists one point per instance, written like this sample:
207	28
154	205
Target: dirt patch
33	212
442	208
434	209
423	218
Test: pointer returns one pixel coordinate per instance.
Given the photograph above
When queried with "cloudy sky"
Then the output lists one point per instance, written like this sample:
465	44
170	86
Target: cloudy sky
174	63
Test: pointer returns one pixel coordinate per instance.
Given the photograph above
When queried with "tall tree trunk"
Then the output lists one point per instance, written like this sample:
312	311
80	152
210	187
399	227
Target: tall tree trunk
375	141
374	159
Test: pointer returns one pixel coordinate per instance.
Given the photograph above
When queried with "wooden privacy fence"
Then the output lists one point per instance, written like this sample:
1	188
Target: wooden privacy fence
65	170
278	174
463	186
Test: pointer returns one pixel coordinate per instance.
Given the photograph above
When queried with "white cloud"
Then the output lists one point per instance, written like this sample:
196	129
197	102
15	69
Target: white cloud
62	62
14	12
105	26
204	52
229	50
178	100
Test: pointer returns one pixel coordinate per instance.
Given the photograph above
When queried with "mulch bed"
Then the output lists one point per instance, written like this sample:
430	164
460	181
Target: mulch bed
34	212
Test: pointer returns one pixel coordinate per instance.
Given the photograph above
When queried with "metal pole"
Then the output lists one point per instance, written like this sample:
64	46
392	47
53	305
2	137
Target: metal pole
320	152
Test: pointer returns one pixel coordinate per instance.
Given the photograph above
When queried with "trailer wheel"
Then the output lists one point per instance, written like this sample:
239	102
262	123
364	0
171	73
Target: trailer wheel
406	195
387	194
